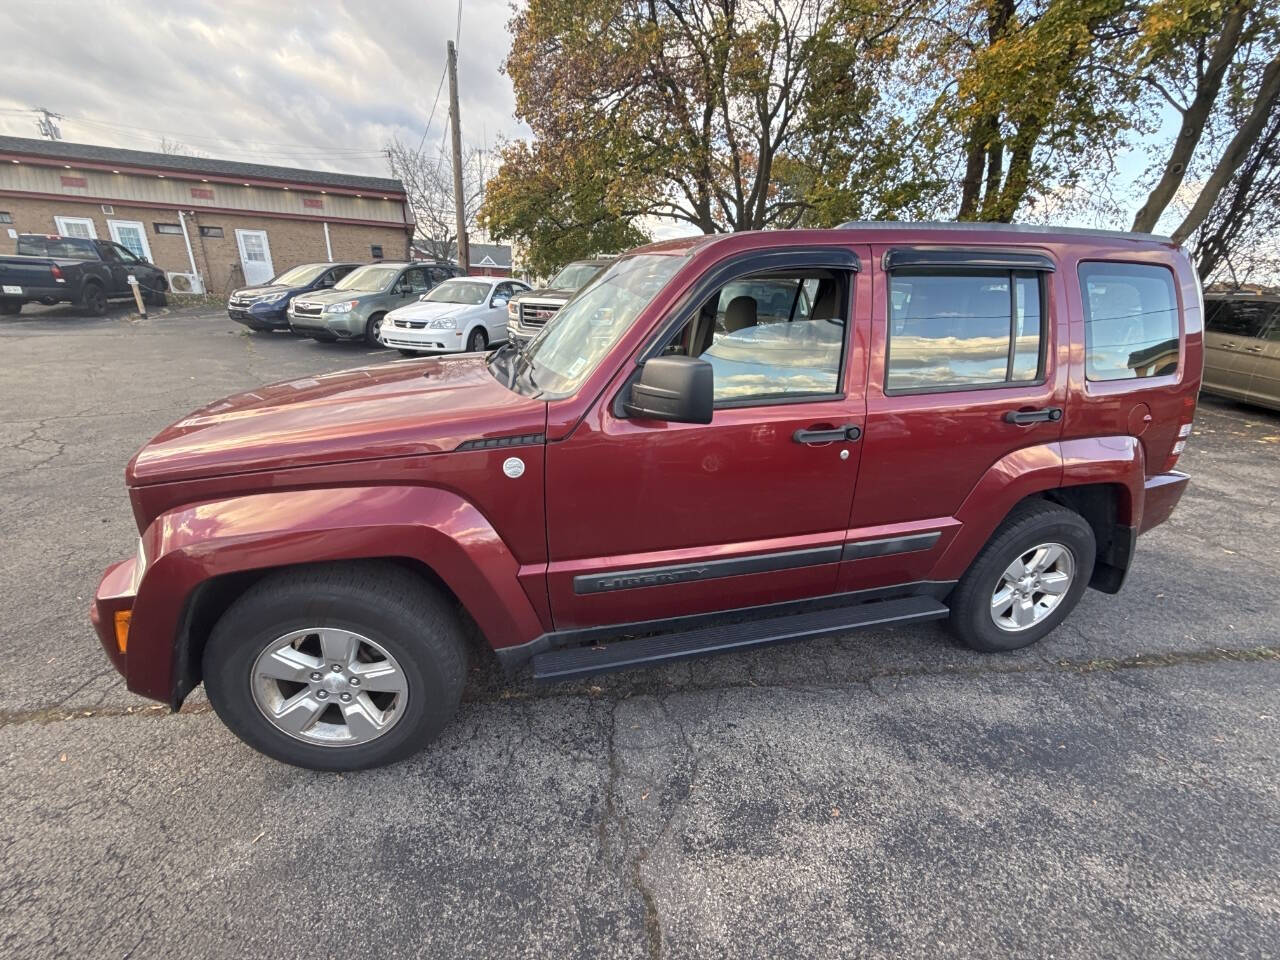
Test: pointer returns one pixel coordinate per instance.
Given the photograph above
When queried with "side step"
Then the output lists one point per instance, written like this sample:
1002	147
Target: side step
621	654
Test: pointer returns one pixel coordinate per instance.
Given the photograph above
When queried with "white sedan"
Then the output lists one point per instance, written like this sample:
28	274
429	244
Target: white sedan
460	314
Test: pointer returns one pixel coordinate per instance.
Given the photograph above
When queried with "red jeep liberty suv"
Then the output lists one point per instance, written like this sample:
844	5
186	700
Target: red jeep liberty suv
723	442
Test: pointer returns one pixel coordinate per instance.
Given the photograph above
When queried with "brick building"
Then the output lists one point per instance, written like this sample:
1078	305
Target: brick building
230	223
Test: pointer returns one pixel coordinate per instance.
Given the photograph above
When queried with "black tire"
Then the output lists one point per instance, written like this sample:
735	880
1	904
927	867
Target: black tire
371	329
93	299
10	308
478	341
382	601
1029	524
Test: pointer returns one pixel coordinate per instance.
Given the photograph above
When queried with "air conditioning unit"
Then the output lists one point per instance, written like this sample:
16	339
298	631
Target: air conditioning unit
108	209
184	283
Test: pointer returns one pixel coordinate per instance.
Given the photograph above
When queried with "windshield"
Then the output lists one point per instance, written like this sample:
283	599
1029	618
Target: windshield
372	278
572	346
300	276
458	291
575	276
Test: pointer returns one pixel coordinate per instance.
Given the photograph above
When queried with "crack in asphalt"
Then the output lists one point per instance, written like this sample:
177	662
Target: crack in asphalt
613	812
1140	661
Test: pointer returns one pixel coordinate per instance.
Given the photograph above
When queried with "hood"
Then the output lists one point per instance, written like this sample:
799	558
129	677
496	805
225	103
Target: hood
546	293
263	291
338	296
390	410
424	311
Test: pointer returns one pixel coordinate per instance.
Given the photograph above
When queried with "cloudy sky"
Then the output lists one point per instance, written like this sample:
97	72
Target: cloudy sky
322	85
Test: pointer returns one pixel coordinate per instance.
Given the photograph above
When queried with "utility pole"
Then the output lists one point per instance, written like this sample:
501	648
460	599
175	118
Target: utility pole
48	123
459	201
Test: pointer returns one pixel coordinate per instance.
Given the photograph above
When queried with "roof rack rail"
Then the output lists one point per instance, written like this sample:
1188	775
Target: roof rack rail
943	225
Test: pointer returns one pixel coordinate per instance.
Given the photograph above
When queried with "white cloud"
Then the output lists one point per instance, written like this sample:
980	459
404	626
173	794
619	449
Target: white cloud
324	85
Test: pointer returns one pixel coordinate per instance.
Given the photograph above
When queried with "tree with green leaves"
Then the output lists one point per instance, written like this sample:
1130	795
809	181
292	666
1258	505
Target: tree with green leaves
1028	96
723	114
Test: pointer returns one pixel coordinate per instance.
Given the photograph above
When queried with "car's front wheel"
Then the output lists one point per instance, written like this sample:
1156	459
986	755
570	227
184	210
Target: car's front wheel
478	341
373	328
1027	578
337	666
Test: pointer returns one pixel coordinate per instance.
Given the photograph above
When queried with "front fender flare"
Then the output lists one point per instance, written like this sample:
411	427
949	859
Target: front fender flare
192	544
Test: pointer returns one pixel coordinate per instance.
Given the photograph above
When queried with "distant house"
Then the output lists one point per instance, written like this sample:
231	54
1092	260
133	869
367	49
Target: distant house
487	259
490	260
228	222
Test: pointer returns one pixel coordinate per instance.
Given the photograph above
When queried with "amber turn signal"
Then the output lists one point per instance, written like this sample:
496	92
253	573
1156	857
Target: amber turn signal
122	629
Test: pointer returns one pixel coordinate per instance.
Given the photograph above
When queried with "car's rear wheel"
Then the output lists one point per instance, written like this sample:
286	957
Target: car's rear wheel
373	328
94	299
337	666
477	341
1027	578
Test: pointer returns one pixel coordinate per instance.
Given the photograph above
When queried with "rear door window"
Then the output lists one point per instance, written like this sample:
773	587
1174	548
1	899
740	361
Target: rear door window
1131	324
963	329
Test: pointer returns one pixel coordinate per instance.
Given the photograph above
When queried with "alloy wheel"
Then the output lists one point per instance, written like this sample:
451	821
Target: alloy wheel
328	686
1032	586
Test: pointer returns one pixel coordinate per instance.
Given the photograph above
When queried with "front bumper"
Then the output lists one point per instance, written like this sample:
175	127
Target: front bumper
444	341
115	593
344	325
259	314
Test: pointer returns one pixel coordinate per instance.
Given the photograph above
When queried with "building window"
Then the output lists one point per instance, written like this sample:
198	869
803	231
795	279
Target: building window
375	251
211	231
6	216
961	330
80	227
169	228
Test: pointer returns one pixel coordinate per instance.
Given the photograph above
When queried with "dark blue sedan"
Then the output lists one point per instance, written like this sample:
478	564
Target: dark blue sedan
263	307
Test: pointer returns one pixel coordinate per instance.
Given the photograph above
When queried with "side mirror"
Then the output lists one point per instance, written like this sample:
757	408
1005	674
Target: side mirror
676	389
328	282
423	298
499	301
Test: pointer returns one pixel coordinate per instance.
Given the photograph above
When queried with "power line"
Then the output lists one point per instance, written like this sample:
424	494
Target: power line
435	103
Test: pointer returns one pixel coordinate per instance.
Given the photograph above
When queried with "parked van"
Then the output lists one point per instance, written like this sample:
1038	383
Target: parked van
723	442
1242	347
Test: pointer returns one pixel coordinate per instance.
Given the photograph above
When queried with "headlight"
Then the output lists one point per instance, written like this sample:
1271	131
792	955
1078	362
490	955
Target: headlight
513	311
344	307
442	323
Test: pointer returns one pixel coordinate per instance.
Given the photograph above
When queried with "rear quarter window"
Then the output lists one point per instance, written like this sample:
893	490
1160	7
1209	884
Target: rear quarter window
1131	327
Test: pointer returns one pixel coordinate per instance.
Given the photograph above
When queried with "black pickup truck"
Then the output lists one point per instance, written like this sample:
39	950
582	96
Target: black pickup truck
53	269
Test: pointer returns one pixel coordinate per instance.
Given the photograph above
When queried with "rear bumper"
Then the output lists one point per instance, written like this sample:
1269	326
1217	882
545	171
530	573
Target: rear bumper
1162	493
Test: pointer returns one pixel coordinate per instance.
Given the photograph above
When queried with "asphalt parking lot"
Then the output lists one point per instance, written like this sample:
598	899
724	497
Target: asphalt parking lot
1113	791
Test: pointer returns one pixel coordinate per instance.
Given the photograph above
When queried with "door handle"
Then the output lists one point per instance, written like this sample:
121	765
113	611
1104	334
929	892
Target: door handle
848	432
1230	345
1048	414
1254	349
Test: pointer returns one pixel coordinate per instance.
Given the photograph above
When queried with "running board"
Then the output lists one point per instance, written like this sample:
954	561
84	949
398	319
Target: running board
621	654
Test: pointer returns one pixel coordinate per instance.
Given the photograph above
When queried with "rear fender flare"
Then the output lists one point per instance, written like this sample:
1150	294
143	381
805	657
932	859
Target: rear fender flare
1115	460
190	545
